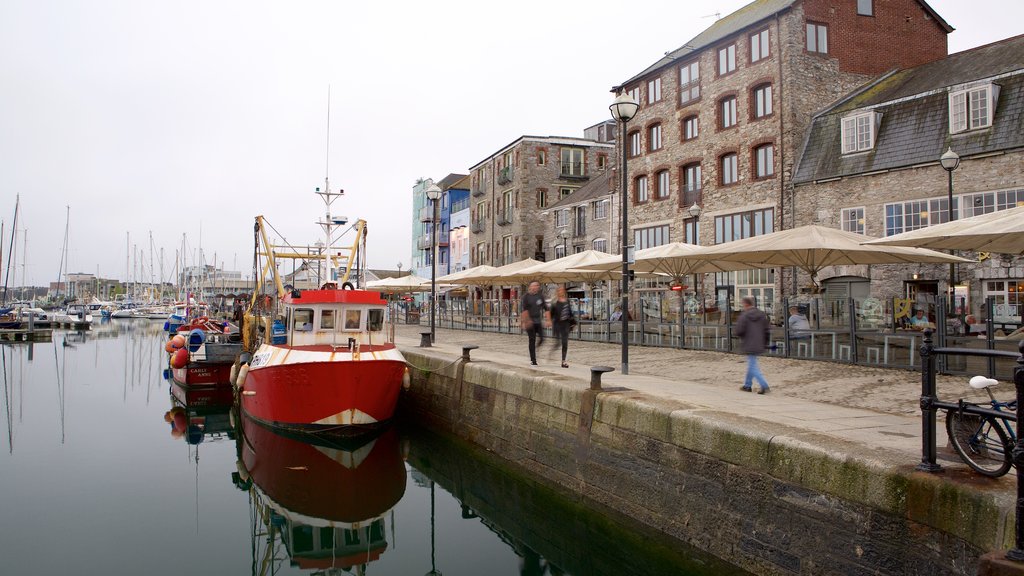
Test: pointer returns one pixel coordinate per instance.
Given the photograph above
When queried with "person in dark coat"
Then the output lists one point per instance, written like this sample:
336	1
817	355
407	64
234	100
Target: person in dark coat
561	319
534	309
754	331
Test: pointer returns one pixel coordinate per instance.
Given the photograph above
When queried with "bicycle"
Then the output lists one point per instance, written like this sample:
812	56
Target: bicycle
983	441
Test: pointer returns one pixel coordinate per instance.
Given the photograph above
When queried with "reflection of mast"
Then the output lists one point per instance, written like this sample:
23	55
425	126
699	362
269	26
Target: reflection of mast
433	566
8	400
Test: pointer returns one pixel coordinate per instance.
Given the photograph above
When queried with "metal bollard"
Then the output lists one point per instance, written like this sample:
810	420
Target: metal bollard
595	375
425	340
465	351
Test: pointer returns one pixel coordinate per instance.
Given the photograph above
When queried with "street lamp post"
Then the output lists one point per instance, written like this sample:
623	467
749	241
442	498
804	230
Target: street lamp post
623	108
433	194
950	161
694	212
564	235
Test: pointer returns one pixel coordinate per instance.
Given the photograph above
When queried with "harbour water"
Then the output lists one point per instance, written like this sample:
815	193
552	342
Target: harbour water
105	471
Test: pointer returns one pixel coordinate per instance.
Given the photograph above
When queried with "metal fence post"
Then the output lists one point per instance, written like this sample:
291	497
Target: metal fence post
928	399
853	331
1017	553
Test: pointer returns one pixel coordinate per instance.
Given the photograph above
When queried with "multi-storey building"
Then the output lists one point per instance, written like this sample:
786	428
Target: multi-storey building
510	189
871	166
722	119
423	210
458	225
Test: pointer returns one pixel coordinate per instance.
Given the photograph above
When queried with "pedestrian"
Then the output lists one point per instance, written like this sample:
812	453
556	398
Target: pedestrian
561	319
755	333
532	317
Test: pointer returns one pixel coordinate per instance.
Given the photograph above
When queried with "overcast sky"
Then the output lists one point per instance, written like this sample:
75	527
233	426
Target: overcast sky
186	119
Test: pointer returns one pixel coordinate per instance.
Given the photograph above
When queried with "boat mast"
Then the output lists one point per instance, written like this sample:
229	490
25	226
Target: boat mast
10	253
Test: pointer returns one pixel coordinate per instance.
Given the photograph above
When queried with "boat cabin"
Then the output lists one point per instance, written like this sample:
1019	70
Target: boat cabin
333	317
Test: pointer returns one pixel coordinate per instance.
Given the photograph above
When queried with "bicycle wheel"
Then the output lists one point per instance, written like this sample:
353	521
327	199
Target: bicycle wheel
980	441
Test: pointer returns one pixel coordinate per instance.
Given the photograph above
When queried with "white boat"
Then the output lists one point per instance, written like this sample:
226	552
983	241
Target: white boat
76	315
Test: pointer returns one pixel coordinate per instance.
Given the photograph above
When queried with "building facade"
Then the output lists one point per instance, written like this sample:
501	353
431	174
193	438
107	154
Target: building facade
871	166
722	119
509	191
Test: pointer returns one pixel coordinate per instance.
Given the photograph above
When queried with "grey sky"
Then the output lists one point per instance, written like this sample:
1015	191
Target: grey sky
193	117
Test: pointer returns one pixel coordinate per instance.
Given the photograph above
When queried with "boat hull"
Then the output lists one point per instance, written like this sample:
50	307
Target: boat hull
332	391
203	374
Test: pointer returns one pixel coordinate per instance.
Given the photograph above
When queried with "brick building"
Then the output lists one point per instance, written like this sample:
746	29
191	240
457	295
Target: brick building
722	119
871	165
512	187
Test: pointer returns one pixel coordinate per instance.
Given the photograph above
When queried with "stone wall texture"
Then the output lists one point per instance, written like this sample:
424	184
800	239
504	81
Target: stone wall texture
759	496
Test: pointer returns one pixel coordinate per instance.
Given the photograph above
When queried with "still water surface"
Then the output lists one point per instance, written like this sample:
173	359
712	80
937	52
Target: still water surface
103	471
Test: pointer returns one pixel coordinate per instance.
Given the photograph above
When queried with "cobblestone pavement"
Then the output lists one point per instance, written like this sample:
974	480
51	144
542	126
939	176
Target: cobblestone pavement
887	390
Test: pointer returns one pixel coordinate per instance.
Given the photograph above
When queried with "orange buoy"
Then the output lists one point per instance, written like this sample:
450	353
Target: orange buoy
177	341
168	347
180	358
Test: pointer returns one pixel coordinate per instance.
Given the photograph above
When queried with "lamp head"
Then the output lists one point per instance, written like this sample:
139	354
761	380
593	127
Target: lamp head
563	233
694	210
623	108
434	192
950	160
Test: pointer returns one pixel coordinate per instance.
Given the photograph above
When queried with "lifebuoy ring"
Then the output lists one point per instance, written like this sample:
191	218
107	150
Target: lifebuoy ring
347	286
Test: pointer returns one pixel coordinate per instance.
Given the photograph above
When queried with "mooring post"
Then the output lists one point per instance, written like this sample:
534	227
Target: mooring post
595	375
425	340
1017	553
928	406
465	351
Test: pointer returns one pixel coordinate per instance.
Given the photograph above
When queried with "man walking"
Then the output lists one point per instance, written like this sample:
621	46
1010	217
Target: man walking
755	333
531	319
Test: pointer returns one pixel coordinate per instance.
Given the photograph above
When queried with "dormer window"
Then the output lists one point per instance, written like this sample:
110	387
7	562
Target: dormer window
972	108
859	132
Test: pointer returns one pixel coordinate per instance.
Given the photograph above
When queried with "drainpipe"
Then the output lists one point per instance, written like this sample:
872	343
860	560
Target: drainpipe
782	154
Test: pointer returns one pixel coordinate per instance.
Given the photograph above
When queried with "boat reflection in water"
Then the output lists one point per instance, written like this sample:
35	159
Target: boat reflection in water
200	412
324	502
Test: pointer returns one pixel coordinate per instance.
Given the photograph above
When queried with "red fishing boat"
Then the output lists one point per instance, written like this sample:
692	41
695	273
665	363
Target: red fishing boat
327	361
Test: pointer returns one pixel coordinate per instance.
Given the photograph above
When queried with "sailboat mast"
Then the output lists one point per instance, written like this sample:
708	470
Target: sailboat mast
10	253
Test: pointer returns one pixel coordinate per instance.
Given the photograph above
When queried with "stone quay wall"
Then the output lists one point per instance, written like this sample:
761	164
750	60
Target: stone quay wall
755	496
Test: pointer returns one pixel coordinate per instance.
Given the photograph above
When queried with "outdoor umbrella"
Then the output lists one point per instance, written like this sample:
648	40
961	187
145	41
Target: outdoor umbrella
498	275
676	260
566	269
466	276
1001	232
812	248
408	283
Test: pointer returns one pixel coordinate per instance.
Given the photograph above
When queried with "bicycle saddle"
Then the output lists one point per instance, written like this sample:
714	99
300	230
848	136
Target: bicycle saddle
981	382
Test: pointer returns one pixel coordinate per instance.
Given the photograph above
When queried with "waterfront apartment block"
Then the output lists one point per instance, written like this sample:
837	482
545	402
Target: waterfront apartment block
453	194
510	189
871	165
722	119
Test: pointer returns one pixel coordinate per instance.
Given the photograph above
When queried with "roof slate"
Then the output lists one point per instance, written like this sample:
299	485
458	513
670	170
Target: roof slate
595	188
915	115
746	16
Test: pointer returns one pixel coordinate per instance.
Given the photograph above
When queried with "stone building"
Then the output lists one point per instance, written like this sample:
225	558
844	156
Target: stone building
871	165
722	119
512	187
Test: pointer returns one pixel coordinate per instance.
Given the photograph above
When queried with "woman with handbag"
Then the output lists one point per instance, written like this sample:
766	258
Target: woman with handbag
561	318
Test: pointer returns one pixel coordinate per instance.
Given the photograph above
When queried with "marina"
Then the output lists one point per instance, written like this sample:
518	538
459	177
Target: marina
125	469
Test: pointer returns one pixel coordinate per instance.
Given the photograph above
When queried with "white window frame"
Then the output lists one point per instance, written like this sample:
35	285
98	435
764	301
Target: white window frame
727	59
634	144
859	131
972	108
601	209
689	82
634	93
600	244
651	236
852	220
759	46
865	7
561	218
654	90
